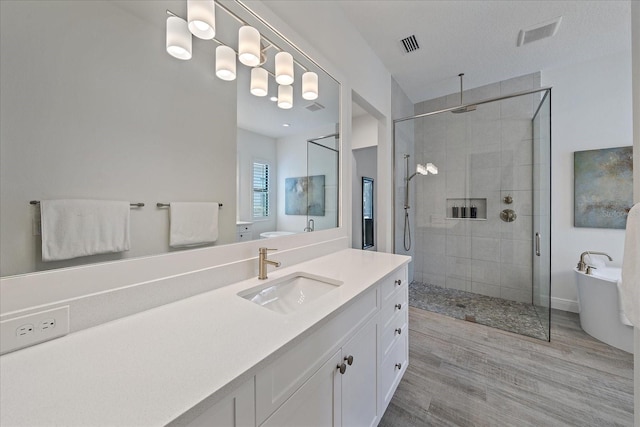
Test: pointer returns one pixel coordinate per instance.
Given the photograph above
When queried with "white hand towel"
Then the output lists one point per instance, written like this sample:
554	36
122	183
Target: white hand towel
75	228
630	285
193	223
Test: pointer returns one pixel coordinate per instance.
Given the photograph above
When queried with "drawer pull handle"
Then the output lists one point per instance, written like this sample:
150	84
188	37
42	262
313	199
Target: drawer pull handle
399	331
399	365
399	282
349	360
342	368
399	306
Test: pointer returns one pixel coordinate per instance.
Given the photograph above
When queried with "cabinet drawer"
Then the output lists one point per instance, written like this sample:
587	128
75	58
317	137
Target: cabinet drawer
278	381
393	334
394	307
392	369
245	228
392	283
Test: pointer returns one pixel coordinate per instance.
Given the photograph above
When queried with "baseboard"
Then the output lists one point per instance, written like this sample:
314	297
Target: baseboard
565	304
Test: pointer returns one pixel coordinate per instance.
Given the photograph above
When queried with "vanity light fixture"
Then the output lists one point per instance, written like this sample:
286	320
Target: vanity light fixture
178	38
249	46
286	125
201	15
285	96
310	85
200	22
284	68
225	63
259	81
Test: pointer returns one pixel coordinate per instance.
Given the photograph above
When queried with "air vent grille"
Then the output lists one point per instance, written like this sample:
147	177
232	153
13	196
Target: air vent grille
316	106
410	44
539	31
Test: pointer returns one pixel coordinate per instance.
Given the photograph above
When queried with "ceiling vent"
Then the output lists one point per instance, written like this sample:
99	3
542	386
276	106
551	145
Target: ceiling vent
410	44
539	31
316	106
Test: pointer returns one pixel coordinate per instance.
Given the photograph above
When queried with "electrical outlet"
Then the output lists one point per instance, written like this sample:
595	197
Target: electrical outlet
33	328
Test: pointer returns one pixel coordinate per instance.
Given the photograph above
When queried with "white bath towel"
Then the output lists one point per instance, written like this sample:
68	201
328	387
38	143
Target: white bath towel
630	286
193	223
75	228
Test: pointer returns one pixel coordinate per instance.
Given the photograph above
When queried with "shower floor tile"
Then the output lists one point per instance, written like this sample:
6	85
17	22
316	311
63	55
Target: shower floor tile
490	311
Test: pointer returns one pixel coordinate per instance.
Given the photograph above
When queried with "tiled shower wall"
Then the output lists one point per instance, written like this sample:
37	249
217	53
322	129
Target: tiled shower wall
484	154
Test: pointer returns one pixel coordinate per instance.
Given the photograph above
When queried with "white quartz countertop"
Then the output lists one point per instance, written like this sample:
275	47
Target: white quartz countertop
151	367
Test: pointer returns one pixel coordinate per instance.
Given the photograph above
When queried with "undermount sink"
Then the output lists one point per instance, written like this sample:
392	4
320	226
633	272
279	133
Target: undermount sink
289	293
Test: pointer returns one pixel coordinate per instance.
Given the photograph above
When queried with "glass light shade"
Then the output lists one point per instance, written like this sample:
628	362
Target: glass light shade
201	15
284	68
431	168
178	38
225	63
249	46
310	85
285	96
259	81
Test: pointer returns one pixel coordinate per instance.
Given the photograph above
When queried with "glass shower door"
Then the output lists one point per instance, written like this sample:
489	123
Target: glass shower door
542	212
323	161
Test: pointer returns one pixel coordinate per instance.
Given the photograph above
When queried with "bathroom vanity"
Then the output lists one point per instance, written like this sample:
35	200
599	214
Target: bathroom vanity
221	359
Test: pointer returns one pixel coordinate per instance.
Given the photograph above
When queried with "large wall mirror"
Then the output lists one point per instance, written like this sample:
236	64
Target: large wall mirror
93	107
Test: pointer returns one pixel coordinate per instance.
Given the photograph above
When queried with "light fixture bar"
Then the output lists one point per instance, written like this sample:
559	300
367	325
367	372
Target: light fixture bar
262	37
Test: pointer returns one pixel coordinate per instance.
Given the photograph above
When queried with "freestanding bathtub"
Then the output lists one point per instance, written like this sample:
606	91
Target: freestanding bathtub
269	234
600	310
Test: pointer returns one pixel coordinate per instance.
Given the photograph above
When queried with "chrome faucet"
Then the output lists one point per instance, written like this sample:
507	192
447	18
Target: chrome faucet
310	225
263	261
582	266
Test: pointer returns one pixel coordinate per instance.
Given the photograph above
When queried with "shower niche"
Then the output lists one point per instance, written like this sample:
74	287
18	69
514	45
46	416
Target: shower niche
474	209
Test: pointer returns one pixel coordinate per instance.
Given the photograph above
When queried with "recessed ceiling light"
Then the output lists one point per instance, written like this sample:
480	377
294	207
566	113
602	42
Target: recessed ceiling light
273	98
286	125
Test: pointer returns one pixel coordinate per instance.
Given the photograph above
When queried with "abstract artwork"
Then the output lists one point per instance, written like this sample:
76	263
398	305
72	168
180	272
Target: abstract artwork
304	195
603	187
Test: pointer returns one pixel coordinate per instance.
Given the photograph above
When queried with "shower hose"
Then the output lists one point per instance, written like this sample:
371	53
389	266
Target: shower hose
407	230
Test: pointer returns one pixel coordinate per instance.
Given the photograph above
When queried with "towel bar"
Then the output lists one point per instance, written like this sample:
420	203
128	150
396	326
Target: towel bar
166	205
133	205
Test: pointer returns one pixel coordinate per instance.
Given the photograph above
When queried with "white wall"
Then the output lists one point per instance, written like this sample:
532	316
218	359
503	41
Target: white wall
253	147
364	132
591	108
89	119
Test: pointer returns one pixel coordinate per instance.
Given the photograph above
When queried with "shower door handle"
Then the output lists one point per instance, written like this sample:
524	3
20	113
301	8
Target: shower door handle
537	243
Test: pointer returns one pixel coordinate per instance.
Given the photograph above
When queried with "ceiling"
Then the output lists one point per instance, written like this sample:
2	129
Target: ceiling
479	38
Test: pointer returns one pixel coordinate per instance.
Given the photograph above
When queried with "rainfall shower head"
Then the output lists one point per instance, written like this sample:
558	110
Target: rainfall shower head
466	109
463	108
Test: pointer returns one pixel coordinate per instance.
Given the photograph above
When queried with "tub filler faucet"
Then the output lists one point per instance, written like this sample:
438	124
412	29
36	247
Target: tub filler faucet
582	266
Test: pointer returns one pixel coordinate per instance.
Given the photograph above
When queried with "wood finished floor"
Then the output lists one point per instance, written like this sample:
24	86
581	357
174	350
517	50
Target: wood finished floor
466	374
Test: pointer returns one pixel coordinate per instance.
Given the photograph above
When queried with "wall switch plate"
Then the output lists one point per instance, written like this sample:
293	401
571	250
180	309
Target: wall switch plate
34	328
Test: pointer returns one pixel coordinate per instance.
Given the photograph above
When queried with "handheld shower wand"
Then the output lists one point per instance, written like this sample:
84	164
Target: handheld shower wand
429	168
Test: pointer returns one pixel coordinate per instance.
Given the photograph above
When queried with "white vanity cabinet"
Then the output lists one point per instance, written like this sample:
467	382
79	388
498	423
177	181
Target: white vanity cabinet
244	231
393	331
237	409
346	372
339	393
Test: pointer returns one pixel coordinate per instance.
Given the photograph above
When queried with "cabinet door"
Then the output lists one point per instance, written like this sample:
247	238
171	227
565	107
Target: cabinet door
235	410
359	380
316	403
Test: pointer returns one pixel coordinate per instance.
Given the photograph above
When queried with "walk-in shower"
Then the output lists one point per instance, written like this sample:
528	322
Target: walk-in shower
481	227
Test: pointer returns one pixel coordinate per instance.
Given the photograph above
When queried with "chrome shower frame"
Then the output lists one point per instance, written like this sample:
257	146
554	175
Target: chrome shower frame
468	107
